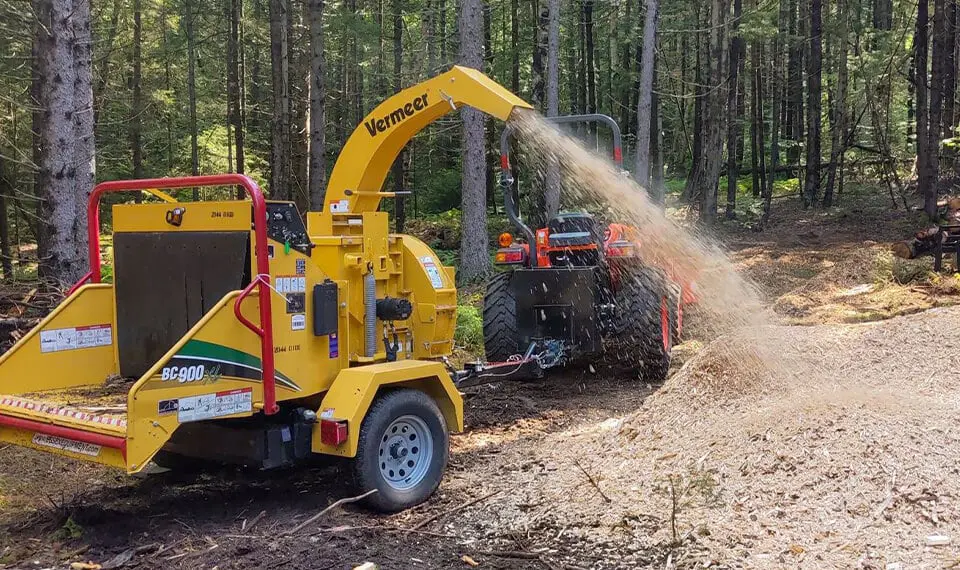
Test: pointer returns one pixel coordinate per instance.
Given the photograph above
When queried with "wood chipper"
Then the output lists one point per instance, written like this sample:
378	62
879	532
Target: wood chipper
232	331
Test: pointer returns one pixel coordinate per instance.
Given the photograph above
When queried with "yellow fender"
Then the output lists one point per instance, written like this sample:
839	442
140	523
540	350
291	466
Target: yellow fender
354	389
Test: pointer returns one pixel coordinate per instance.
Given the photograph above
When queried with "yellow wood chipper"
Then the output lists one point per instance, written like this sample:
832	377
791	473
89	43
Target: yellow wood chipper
233	331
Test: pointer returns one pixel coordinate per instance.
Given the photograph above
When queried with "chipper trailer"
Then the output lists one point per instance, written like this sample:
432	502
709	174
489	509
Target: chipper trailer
232	331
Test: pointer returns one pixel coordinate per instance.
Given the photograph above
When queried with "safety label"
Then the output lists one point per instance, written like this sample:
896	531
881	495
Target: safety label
298	322
90	336
65	444
340	206
433	272
207	406
291	284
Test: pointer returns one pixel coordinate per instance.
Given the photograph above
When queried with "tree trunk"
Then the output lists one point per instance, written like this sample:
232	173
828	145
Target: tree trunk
626	91
515	45
934	127
6	192
949	84
136	111
66	160
280	159
838	122
707	170
317	179
540	40
642	164
400	164
474	258
733	105
776	98
590	57
188	20
811	191
552	181
234	97
657	182
756	117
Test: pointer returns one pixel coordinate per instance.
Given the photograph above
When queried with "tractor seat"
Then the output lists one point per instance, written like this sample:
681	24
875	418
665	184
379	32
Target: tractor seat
572	230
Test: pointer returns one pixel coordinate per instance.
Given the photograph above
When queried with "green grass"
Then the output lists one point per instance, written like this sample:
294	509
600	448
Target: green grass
469	331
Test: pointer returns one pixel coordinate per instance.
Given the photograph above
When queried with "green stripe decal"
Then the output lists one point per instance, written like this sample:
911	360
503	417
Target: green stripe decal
204	350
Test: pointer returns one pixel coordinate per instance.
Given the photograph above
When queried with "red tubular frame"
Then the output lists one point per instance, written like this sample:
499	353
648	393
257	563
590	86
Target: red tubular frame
92	438
262	279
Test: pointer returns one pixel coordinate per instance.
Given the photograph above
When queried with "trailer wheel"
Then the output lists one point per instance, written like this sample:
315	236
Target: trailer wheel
644	324
402	452
501	337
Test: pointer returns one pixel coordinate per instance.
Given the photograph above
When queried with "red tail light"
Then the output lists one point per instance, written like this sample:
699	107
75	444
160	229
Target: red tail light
510	256
333	432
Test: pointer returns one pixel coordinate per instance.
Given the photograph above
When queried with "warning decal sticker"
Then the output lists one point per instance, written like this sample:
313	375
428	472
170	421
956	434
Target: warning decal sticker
433	272
56	340
207	406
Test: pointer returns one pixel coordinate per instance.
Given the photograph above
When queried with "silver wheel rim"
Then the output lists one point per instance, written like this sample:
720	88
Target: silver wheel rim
406	452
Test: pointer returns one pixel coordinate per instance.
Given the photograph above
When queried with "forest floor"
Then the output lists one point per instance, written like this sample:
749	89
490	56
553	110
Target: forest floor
842	455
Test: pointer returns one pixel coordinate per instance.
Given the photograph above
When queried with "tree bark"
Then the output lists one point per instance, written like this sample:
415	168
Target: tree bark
400	164
66	159
552	179
590	57
234	79
540	40
474	258
515	45
733	105
838	122
706	173
317	178
6	192
188	20
644	94
811	190
935	117
776	98
136	111
280	160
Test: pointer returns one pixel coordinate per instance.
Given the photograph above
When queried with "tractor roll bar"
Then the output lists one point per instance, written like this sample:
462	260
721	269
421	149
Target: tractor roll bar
506	172
262	279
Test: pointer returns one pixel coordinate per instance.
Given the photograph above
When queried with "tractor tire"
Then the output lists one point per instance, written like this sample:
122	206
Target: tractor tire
641	344
402	452
501	336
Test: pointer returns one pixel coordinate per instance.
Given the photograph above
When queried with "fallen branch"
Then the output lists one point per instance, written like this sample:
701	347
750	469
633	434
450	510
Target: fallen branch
593	482
246	527
510	554
385	529
336	504
453	510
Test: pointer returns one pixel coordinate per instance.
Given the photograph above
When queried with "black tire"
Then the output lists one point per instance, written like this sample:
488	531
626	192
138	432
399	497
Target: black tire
640	336
501	336
387	411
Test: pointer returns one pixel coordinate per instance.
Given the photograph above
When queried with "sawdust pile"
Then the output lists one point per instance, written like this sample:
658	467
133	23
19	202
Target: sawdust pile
851	464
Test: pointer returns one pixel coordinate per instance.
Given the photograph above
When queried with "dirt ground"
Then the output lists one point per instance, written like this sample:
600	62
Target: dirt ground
841	455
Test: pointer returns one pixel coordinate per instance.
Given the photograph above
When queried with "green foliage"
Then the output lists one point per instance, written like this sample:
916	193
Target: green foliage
69	531
469	330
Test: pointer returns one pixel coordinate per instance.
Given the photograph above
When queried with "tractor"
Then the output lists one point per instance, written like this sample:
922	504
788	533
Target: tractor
233	331
575	291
